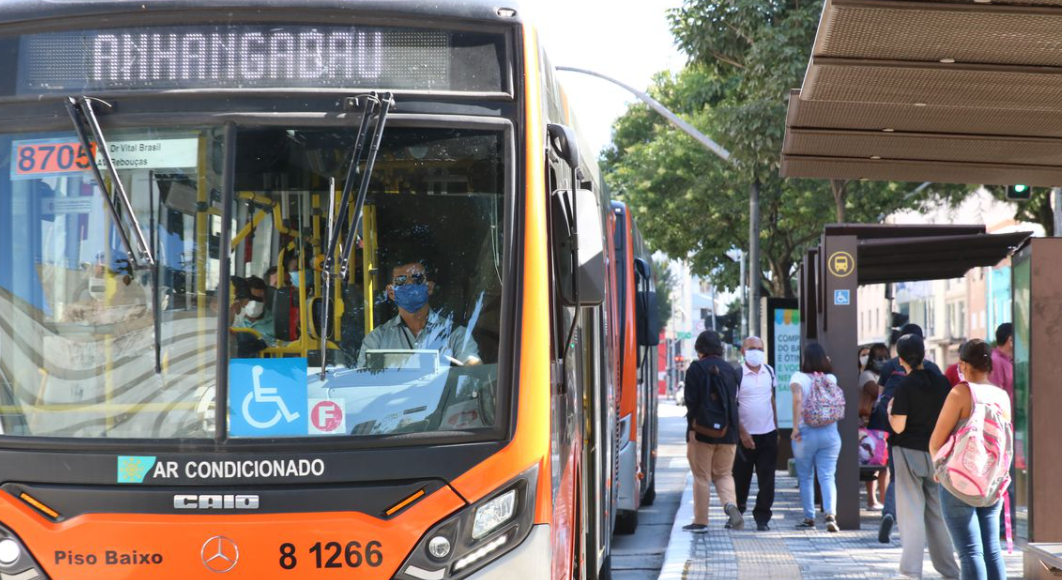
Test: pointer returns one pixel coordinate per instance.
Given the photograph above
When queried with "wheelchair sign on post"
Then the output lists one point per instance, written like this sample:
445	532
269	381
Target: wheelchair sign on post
267	397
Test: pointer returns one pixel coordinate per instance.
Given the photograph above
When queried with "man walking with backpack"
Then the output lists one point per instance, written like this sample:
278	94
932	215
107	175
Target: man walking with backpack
713	429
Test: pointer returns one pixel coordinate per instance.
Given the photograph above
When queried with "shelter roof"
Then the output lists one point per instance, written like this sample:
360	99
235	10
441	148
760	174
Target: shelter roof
901	253
958	91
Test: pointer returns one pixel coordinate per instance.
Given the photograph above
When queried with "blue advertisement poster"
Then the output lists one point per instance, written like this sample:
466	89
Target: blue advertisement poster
785	354
267	397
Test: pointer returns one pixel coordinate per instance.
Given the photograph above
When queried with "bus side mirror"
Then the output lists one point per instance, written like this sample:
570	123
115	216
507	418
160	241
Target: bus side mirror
647	323
591	253
562	140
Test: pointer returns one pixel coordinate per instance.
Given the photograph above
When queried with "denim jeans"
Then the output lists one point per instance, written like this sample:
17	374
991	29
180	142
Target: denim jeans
890	490
975	534
817	452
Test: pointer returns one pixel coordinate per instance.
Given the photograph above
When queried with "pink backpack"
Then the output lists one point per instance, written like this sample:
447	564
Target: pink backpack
974	464
824	404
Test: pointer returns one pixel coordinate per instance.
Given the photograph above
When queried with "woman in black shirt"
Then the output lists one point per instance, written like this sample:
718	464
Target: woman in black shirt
913	415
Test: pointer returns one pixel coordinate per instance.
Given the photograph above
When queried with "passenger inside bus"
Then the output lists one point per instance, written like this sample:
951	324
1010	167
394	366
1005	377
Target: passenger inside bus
417	326
253	312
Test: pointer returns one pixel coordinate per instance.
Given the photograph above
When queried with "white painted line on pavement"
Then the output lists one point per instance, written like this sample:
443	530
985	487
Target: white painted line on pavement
678	545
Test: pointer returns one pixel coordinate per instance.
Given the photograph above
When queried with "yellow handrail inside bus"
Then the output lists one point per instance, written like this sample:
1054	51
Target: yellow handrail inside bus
368	262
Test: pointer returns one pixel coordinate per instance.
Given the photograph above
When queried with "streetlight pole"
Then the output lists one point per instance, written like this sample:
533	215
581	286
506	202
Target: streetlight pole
753	281
661	109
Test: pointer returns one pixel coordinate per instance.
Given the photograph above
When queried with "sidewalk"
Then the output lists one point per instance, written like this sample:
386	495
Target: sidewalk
785	552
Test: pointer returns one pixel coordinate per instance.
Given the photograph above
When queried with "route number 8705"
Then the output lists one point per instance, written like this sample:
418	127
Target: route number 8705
35	157
335	555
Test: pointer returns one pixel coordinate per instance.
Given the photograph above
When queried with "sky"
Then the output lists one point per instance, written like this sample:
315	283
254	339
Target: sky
628	40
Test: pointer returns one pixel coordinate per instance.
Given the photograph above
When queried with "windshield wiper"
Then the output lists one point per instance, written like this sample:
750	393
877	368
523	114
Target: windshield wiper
381	105
82	114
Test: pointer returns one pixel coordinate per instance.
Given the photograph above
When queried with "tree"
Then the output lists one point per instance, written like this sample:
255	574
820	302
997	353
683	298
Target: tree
665	283
1037	209
745	56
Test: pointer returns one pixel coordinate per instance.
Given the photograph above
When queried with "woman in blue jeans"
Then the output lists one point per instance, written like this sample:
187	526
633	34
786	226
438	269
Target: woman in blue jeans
815	448
974	530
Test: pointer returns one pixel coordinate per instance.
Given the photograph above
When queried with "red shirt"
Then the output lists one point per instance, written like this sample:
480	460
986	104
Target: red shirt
953	374
1002	374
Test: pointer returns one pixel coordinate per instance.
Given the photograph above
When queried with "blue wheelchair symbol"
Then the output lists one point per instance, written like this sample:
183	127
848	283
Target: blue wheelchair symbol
267	397
842	297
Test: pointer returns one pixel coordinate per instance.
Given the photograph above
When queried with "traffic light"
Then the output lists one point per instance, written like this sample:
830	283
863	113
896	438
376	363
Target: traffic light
1019	192
727	323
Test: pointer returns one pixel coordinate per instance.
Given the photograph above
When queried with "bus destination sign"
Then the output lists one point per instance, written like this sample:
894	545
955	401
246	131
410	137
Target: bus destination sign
257	57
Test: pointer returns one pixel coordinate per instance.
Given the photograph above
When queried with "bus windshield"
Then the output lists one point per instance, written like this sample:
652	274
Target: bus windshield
411	332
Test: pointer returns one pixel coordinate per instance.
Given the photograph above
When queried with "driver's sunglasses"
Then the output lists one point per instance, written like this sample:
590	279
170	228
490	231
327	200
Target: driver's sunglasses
403	279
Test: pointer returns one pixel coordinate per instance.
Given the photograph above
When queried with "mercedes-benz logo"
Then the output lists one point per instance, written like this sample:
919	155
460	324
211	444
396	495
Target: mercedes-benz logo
220	554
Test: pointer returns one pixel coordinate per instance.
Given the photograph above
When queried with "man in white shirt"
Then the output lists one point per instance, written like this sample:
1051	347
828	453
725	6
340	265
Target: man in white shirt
758	449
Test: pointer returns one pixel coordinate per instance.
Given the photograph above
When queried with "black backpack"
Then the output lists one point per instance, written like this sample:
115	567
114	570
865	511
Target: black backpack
712	417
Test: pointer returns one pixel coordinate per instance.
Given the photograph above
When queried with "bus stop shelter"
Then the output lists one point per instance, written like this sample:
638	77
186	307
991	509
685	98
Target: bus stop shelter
850	255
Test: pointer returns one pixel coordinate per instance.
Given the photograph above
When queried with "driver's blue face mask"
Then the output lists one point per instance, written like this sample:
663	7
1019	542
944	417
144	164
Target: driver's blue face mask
411	297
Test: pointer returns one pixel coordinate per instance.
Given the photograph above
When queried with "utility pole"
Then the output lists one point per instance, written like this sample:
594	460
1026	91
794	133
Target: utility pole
744	297
754	258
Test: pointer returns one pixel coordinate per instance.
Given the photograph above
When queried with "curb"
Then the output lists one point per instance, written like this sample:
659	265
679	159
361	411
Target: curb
677	554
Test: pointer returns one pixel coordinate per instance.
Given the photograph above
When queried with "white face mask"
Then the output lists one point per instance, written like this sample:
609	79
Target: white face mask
754	357
863	360
253	309
97	288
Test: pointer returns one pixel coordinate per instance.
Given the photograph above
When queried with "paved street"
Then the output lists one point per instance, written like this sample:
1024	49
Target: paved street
782	553
640	556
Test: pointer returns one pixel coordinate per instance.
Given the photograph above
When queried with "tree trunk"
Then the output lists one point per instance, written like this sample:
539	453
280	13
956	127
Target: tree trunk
840	196
780	284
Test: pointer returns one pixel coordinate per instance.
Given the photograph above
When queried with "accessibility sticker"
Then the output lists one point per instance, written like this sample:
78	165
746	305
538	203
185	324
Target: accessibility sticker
133	468
842	297
267	397
327	417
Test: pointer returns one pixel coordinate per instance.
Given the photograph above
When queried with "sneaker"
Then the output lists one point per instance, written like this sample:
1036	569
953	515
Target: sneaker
736	522
885	531
831	524
876	507
806	524
695	528
762	527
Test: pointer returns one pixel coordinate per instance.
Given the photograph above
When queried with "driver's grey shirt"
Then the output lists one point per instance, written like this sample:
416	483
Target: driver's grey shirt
439	334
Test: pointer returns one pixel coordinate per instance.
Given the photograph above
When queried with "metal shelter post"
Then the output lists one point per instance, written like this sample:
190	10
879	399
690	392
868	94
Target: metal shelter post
838	283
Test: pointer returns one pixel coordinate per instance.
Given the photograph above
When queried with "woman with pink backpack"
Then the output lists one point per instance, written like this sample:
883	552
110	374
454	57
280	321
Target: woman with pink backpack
972	448
818	403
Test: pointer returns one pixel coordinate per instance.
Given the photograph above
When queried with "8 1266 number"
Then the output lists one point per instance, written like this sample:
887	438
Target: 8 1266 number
335	555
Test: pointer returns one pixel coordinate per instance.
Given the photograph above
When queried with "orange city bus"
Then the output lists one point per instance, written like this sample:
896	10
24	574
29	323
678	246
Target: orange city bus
306	288
637	393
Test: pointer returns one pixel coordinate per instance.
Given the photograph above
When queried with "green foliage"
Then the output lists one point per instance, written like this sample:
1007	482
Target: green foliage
745	56
665	282
1037	209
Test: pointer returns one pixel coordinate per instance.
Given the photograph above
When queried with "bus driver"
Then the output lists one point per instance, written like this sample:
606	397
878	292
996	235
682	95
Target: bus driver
417	326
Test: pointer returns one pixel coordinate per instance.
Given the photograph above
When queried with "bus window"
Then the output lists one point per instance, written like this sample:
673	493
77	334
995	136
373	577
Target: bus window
412	328
90	345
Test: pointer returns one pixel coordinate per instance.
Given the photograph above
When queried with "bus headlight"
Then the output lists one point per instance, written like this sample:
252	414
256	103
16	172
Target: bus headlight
15	559
493	514
477	535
